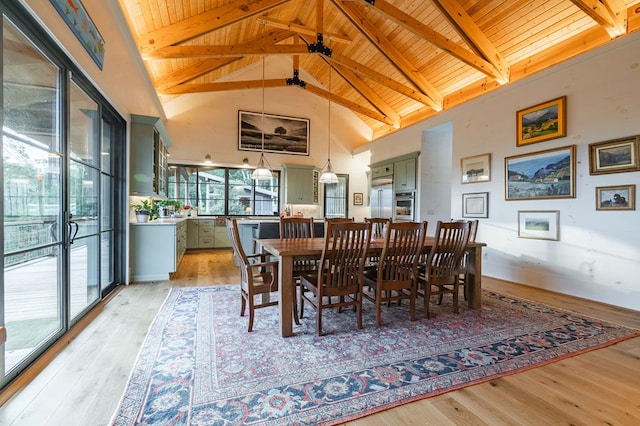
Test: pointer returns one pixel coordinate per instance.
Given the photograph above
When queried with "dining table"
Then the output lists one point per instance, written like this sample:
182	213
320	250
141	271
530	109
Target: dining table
287	249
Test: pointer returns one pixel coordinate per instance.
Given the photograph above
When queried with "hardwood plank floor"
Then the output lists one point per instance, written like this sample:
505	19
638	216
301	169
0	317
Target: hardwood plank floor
82	385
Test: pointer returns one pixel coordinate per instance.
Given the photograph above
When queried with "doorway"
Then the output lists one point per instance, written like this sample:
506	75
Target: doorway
59	170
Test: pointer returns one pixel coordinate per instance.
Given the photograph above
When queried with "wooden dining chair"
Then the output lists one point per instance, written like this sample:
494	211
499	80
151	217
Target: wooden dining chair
378	229
378	226
439	273
396	277
257	275
340	271
298	227
464	265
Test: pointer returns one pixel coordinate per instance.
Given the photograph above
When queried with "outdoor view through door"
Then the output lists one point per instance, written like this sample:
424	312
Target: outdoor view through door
58	207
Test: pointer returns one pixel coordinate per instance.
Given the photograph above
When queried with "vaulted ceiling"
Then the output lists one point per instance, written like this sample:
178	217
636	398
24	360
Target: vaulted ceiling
393	62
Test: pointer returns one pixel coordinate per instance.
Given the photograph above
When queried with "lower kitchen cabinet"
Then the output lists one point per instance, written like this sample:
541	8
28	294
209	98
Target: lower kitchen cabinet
156	249
207	233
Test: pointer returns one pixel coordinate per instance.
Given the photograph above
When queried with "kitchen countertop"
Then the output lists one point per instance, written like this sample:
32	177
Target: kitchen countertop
174	220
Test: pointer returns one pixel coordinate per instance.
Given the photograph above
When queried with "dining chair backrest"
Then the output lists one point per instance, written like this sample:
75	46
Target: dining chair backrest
403	245
473	230
234	237
378	226
296	227
443	261
343	256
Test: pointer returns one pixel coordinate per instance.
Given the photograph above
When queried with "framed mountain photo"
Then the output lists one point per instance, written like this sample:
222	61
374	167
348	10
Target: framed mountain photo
542	174
542	122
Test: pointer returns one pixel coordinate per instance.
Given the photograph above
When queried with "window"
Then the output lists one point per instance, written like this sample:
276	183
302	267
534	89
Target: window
336	198
220	191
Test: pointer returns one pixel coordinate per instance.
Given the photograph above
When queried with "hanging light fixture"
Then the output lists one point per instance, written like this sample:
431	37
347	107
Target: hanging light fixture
207	159
327	175
262	172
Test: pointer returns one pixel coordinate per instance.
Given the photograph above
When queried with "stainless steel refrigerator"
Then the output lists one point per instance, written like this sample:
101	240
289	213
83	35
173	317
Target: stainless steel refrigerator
381	198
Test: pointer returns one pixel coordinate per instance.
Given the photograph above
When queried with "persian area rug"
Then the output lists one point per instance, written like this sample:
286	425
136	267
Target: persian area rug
199	366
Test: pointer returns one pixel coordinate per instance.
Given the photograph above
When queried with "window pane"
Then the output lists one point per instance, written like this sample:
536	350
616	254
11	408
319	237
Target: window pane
84	133
240	192
83	199
267	200
335	198
211	192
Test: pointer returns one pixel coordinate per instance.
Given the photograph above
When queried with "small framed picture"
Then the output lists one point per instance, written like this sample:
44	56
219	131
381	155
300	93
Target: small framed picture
358	199
619	197
542	122
475	205
614	156
476	169
539	224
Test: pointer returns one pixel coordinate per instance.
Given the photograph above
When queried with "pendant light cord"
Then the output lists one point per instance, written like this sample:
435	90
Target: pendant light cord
329	118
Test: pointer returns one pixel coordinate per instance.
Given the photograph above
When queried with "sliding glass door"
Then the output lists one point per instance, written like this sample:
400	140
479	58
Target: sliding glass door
32	173
63	242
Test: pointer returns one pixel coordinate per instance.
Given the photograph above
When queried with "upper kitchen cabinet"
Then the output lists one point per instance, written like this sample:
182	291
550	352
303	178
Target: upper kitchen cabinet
380	171
404	175
300	184
149	142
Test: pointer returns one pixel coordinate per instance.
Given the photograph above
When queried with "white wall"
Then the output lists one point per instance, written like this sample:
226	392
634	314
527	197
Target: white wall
598	254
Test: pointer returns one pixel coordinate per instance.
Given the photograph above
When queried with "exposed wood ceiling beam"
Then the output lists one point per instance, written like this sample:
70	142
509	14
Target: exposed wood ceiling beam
301	29
437	39
610	14
473	36
352	79
381	78
395	57
222	51
200	67
368	93
202	23
355	107
225	86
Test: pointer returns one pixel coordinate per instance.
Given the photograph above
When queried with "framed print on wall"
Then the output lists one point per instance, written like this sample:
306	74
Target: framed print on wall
543	174
542	122
476	169
614	156
539	224
619	197
284	135
358	199
475	205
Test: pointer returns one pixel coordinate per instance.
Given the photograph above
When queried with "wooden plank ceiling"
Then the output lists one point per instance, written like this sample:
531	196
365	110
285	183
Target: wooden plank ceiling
394	62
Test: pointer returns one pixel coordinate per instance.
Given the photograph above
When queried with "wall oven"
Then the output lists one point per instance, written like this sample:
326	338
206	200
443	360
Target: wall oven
404	207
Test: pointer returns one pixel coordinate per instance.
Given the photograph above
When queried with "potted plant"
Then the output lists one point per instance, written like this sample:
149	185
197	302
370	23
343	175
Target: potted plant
144	210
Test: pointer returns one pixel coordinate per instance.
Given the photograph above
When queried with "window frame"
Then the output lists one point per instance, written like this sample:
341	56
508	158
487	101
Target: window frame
229	200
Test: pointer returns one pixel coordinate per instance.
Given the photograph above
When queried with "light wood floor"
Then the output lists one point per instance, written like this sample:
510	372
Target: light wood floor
83	384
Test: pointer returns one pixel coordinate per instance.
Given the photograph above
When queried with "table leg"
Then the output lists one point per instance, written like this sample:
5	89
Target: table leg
285	295
474	277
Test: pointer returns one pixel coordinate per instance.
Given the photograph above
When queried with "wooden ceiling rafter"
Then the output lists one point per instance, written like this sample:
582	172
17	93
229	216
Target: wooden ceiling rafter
473	36
389	51
203	23
303	30
203	66
609	14
435	38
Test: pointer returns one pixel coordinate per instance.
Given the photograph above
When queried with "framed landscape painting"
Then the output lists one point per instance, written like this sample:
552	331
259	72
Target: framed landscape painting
284	135
539	224
619	197
475	205
542	122
476	169
542	174
614	156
